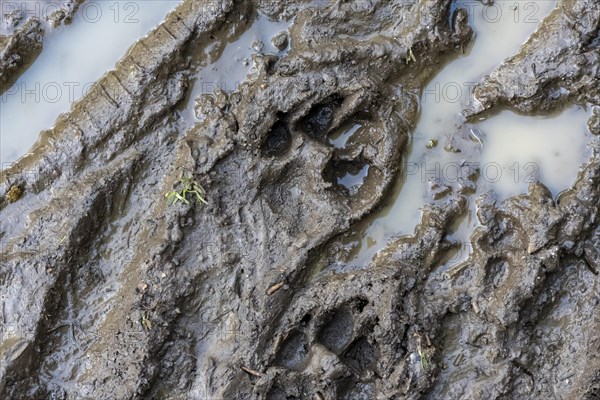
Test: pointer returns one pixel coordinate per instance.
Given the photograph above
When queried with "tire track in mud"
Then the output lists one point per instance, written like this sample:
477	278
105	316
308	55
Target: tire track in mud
147	84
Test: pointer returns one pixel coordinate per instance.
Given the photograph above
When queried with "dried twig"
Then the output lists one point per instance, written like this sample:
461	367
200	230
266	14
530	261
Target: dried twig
275	288
252	372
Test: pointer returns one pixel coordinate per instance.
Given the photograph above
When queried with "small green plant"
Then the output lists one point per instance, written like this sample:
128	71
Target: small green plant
188	187
425	364
410	56
424	353
431	144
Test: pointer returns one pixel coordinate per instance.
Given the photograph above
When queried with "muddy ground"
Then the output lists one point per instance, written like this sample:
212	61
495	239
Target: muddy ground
24	25
110	292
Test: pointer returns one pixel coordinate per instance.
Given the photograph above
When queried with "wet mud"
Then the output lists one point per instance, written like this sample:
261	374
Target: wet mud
110	290
22	31
19	50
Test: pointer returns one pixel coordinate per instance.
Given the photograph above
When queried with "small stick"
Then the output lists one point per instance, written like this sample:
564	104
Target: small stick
455	270
252	372
275	288
458	360
475	306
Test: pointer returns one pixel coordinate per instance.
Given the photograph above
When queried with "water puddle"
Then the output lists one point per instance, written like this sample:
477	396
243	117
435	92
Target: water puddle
353	180
227	68
519	150
73	58
339	138
508	150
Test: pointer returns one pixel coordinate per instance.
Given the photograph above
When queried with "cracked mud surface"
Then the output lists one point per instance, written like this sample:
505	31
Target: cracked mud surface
109	292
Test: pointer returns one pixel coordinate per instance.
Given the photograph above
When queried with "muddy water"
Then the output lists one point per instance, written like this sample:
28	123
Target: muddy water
508	150
521	149
227	68
73	58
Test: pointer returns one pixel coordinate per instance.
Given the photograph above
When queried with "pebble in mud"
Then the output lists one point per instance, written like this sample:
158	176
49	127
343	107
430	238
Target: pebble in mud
280	41
438	190
258	46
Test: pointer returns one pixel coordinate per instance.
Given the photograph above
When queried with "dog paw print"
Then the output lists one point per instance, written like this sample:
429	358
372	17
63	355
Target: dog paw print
329	353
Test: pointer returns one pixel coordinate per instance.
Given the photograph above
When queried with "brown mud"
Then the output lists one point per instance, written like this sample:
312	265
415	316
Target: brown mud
110	292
